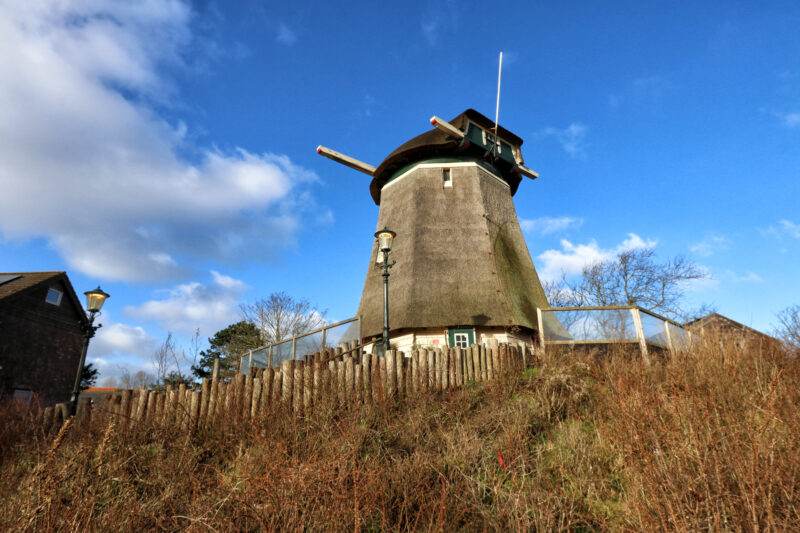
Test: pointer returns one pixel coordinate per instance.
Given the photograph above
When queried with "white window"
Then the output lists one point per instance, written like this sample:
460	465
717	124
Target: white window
461	340
447	179
54	296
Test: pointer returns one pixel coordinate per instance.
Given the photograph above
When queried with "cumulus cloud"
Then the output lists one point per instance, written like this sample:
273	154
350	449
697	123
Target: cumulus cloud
119	346
571	258
188	307
572	138
88	164
710	245
547	225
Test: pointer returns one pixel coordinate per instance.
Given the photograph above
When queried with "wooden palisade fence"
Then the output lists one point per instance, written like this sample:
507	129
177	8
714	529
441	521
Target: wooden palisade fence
336	377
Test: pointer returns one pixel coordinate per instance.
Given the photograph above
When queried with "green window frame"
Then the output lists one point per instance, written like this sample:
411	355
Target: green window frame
451	335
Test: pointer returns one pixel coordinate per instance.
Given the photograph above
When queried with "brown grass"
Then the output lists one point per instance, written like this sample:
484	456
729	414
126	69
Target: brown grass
706	440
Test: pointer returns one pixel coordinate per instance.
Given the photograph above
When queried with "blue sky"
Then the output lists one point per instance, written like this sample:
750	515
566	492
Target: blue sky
165	150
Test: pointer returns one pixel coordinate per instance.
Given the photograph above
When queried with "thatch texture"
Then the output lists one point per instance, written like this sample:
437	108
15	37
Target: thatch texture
461	257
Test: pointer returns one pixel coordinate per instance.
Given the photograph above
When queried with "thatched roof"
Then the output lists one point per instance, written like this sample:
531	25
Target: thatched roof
461	257
436	144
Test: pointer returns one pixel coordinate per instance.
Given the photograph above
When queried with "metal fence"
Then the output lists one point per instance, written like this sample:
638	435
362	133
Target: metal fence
611	324
273	355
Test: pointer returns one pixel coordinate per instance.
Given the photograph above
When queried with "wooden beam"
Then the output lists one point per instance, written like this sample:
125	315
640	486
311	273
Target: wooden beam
346	160
525	171
447	127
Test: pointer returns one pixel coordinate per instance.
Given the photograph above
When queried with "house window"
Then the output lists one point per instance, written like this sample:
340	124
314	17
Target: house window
447	180
54	296
23	395
461	340
461	337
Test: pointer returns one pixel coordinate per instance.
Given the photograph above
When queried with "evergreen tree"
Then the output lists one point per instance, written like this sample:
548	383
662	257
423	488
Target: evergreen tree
227	344
88	376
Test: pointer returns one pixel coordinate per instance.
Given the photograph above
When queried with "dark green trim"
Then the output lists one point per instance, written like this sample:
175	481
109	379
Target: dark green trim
451	335
481	163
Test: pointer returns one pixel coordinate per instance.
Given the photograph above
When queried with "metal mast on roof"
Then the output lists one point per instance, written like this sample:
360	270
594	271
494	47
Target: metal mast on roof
497	108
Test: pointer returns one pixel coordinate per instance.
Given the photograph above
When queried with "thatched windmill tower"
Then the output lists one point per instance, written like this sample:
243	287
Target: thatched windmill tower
463	271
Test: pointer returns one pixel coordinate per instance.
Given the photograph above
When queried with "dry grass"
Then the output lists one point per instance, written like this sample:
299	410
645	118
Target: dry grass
705	440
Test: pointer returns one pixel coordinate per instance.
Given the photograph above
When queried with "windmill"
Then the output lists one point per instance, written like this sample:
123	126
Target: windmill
463	272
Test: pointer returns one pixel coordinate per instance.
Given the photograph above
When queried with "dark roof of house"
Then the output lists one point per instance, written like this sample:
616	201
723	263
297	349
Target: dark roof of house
18	282
715	319
23	280
433	143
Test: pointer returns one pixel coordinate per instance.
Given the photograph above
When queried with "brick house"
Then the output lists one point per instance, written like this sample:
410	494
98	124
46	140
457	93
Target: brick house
41	335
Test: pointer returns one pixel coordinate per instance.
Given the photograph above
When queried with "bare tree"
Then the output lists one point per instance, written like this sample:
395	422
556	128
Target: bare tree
280	316
560	294
125	380
162	357
109	381
632	277
789	328
142	379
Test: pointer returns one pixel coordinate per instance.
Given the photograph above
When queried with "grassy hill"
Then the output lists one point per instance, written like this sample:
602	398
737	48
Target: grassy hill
705	440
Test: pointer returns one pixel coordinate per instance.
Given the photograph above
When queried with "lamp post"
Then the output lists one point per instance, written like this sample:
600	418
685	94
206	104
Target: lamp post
385	237
94	301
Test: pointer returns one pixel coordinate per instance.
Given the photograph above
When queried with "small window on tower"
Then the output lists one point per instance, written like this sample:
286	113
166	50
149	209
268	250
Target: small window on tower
447	180
54	296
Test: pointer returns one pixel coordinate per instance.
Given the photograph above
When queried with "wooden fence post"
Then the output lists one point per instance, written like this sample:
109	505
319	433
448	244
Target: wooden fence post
277	387
358	380
223	399
489	363
384	375
495	352
287	374
349	377
391	373
366	375
144	394
431	370
194	408
247	400
297	399
402	381
255	401
308	387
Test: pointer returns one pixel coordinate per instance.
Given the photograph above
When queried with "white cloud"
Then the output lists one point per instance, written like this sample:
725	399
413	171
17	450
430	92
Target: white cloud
87	163
571	258
439	18
547	225
710	245
790	120
122	338
117	346
285	35
785	227
750	277
790	228
189	306
572	138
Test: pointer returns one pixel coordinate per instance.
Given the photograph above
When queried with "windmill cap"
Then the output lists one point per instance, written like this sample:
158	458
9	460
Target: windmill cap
435	143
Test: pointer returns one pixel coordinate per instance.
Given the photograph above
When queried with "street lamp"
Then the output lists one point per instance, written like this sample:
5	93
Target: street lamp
385	238
94	301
